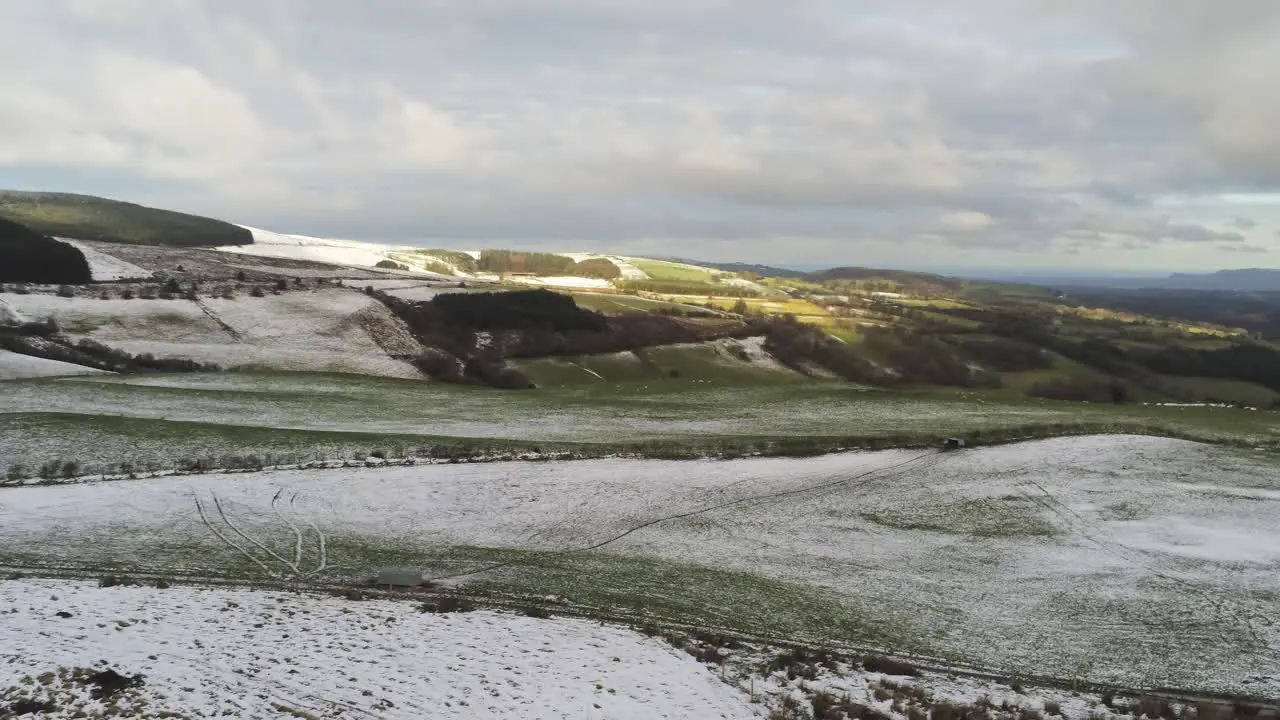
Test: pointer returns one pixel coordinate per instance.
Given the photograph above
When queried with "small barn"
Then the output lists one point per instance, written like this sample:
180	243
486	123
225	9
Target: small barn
400	577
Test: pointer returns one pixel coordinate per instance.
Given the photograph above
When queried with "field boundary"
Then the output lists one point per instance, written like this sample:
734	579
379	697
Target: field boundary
461	450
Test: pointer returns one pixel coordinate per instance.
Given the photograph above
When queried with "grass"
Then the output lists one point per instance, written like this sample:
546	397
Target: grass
661	270
1225	390
714	407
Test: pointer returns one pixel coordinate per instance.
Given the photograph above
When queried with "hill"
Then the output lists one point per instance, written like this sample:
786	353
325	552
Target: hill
28	256
85	217
1246	280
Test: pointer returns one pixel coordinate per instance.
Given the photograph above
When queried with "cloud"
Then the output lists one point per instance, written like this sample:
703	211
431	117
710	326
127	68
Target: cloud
815	131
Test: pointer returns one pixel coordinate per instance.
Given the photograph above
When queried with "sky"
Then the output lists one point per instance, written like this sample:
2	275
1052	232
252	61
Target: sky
1038	134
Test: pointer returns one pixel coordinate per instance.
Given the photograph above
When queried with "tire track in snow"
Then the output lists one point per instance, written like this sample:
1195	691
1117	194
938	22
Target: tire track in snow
865	477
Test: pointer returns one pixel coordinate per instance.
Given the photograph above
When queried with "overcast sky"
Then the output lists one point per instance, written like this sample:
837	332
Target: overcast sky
1133	134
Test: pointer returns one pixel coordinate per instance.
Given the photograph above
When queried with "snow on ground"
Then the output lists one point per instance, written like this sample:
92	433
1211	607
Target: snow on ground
628	269
14	366
335	330
9	315
565	282
1119	551
104	267
302	247
243	653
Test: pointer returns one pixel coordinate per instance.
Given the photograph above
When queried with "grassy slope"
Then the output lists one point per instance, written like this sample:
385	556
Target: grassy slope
661	270
162	420
92	218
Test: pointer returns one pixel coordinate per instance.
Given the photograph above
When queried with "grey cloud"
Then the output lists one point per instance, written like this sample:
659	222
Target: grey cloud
1001	126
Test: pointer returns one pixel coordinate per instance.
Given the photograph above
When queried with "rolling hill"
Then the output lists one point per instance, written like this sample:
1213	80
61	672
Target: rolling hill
85	217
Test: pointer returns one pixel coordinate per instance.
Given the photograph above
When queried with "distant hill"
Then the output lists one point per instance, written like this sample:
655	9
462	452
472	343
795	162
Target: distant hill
29	257
738	267
84	217
1247	280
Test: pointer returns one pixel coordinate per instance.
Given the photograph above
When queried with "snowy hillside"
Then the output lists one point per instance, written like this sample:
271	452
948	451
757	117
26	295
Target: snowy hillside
335	330
270	654
326	250
104	267
16	367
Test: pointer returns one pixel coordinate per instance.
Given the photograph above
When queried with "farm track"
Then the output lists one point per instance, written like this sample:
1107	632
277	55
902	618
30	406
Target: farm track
513	602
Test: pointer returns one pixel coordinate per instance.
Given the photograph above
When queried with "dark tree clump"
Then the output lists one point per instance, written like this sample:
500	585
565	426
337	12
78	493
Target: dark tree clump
28	256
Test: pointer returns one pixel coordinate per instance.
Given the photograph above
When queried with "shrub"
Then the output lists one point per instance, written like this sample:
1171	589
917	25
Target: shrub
390	265
889	666
257	292
16	472
379	454
1052	707
447	605
534	611
127	294
107	581
70	469
282	285
240	276
66	291
171	286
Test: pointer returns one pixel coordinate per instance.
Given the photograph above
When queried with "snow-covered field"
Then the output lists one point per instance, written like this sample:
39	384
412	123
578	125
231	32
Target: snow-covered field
103	267
1152	561
240	653
14	367
301	247
337	330
565	282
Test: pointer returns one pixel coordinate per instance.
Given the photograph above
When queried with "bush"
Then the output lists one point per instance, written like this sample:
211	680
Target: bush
16	472
889	666
107	581
390	265
257	292
447	605
282	285
66	291
171	286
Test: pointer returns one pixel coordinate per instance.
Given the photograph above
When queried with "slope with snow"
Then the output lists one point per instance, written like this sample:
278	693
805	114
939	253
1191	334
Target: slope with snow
301	247
332	330
14	366
240	653
104	267
1152	559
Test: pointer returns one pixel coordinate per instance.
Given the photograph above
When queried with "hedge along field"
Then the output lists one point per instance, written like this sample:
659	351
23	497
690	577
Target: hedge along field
169	420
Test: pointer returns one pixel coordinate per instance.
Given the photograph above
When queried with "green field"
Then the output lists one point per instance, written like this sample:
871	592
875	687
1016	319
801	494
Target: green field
162	420
661	270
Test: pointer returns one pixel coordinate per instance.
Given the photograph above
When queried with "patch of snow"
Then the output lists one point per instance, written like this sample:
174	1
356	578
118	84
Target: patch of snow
207	652
103	267
566	282
628	269
9	315
327	250
15	366
331	330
